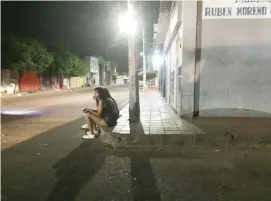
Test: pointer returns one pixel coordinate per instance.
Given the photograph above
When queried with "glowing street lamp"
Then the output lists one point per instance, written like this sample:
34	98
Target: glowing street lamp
157	60
128	23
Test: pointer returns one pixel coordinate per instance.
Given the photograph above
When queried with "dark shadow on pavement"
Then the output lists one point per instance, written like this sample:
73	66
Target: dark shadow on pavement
76	170
27	166
56	165
144	185
137	131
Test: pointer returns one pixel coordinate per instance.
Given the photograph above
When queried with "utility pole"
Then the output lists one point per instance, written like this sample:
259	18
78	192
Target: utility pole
134	108
144	61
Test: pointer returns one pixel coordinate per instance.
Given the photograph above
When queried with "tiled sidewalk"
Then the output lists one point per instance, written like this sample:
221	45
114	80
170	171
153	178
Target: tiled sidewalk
156	118
161	126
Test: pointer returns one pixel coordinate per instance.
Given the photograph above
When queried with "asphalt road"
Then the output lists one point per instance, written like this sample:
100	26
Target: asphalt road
45	159
29	116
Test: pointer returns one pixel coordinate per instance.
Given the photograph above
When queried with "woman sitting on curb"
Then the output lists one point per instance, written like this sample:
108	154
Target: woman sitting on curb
96	128
106	115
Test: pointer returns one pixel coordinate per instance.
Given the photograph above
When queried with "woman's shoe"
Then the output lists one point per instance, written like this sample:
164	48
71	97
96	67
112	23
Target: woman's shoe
88	136
97	132
84	126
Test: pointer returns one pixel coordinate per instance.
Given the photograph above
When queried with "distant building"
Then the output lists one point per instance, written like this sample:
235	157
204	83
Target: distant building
122	79
93	75
101	72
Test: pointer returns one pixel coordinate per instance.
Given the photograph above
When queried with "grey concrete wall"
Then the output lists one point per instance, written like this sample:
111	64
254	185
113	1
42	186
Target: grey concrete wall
235	78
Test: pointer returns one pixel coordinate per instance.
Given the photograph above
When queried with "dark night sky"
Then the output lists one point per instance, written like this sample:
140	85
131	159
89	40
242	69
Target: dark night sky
84	28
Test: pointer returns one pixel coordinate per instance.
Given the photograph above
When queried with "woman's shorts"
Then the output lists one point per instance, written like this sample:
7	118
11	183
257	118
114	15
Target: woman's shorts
111	120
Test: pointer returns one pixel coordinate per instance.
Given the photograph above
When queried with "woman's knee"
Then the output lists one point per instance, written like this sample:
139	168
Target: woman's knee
87	116
99	122
102	122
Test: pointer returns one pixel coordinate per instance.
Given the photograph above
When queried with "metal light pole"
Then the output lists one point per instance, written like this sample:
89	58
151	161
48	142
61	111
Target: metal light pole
144	61
134	108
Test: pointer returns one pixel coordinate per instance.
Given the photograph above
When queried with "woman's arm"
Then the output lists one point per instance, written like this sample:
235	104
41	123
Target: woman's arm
99	109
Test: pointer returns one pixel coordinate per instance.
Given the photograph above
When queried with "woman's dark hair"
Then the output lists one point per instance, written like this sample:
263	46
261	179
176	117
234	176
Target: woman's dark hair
101	91
108	95
103	94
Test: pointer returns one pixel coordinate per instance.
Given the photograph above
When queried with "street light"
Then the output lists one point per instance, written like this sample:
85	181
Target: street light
127	23
157	59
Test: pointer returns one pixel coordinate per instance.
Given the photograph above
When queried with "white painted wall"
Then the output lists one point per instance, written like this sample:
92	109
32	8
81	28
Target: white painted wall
235	78
234	70
94	65
120	79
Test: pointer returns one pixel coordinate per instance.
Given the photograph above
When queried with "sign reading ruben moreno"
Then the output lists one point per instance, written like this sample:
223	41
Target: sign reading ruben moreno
236	9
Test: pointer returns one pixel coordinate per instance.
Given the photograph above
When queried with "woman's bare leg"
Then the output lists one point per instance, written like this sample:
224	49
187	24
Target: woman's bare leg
91	120
97	120
95	126
89	123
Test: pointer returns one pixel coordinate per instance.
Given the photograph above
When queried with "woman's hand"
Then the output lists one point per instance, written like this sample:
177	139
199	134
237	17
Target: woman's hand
86	110
95	97
97	113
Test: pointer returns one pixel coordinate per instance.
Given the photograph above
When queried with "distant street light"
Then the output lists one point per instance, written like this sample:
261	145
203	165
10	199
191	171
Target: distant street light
157	60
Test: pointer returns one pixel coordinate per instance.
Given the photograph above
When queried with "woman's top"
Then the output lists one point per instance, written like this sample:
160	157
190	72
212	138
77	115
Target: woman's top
110	108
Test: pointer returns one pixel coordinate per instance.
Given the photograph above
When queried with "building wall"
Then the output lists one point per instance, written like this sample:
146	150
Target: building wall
233	74
76	82
222	66
186	59
45	82
179	50
29	81
121	79
8	76
87	80
108	77
9	81
93	64
108	74
170	51
235	79
101	75
96	79
66	83
56	82
93	73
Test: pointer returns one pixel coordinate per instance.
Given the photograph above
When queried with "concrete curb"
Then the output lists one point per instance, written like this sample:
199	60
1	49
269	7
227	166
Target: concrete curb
157	141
